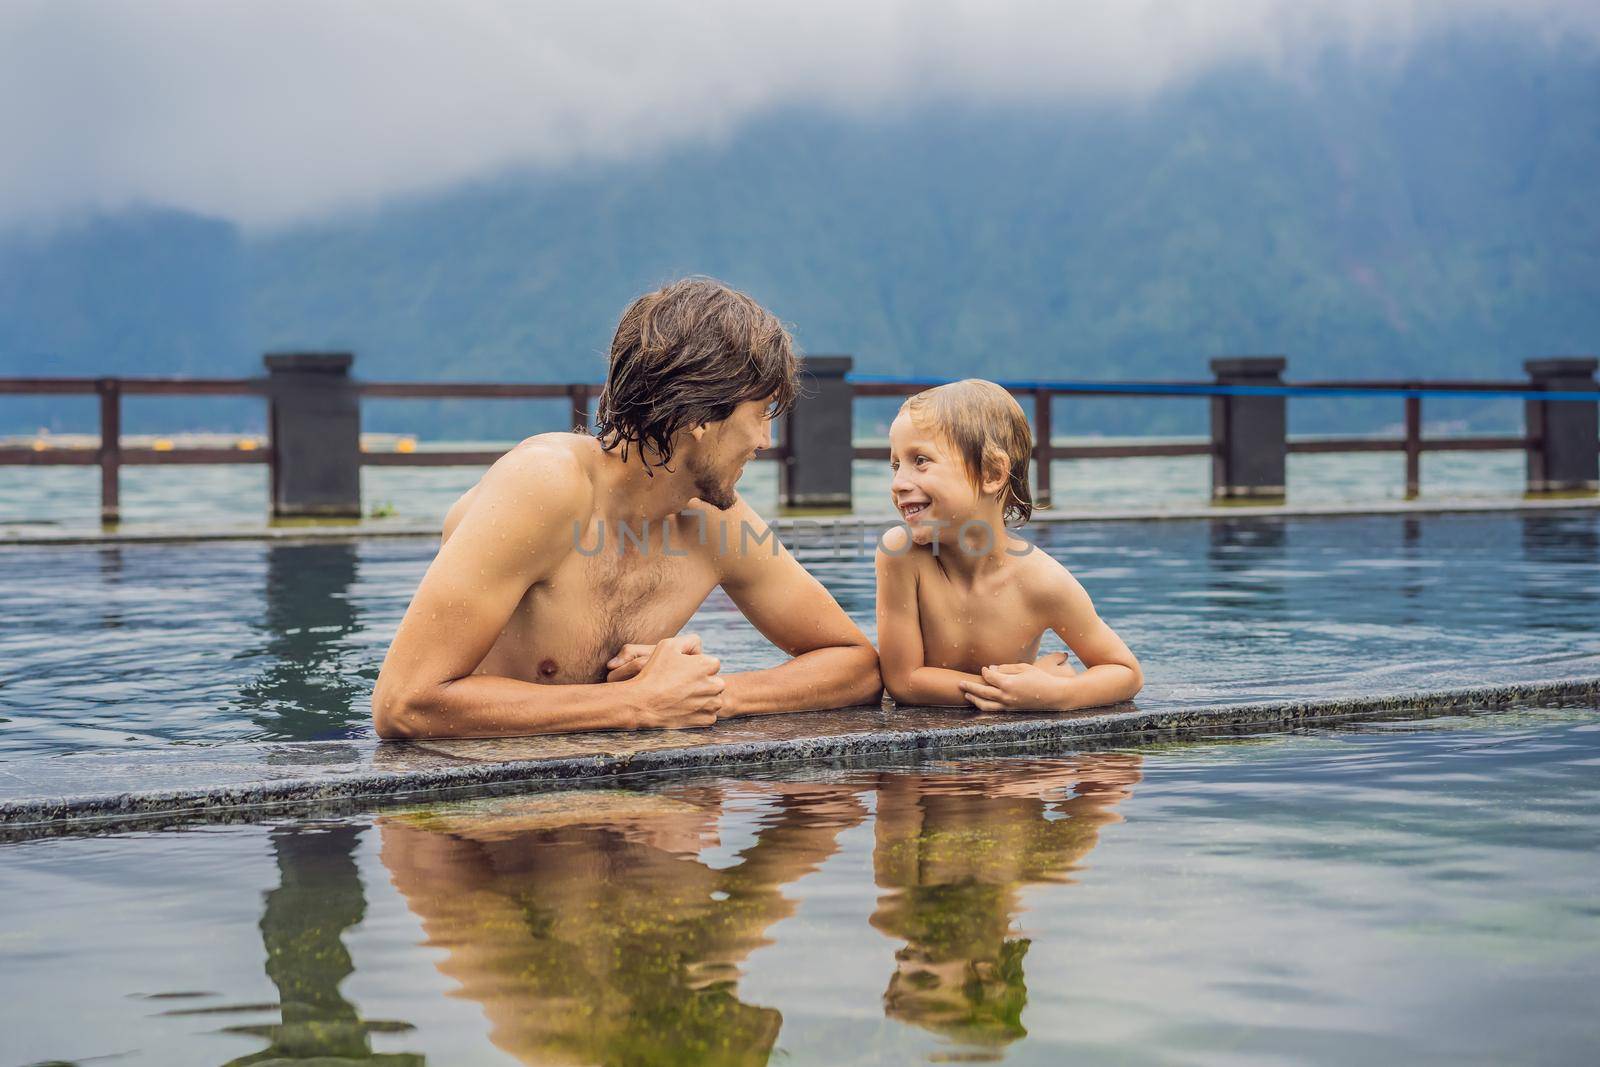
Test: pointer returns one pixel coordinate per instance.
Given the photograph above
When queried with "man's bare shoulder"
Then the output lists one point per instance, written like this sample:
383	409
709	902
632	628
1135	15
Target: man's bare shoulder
552	459
550	476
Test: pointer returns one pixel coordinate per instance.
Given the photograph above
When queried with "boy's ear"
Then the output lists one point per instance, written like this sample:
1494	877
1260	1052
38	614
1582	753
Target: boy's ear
996	471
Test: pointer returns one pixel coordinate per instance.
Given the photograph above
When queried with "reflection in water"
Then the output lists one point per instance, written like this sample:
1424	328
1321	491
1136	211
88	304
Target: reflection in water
310	680
109	565
1414	579
1562	583
589	929
954	850
1237	551
1361	893
318	898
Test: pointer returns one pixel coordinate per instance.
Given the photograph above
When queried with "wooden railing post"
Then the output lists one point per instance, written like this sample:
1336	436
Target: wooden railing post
819	449
110	390
1564	456
1043	451
1249	434
1413	447
315	418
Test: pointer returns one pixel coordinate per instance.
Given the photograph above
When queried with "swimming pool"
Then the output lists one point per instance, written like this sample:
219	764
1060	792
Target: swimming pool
67	498
1404	892
143	647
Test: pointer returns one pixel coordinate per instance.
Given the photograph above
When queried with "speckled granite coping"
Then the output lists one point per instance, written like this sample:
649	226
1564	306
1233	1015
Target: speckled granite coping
18	535
244	782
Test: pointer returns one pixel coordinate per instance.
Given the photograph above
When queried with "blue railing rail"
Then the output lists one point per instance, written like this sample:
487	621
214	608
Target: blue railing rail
890	385
110	455
1411	442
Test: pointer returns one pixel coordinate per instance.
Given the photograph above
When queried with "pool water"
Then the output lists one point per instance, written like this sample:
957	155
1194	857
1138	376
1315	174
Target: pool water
1403	892
121	648
68	498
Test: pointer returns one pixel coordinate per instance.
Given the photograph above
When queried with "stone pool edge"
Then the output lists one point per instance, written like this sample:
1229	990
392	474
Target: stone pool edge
243	803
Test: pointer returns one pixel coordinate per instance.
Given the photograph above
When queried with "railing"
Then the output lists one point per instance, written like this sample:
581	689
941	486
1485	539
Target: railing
314	414
111	456
578	395
1411	442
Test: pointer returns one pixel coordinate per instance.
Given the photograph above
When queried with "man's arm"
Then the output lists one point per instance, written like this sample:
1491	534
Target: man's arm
833	663
900	650
516	530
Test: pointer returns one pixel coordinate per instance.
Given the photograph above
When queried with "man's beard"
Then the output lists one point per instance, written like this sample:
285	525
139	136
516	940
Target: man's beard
710	488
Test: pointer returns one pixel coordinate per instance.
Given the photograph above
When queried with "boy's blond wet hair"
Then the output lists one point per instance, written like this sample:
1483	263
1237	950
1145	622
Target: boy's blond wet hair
986	427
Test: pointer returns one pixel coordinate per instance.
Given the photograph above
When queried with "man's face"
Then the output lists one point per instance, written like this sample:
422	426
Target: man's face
726	447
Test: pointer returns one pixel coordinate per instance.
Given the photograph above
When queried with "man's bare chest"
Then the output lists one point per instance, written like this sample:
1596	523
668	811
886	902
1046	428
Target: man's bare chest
568	626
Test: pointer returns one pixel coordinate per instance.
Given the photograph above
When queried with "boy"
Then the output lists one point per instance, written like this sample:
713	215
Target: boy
962	603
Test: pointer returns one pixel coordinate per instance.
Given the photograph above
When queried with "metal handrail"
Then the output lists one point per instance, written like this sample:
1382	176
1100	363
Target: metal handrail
110	454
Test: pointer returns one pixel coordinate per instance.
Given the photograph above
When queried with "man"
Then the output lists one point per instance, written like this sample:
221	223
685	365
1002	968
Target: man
565	574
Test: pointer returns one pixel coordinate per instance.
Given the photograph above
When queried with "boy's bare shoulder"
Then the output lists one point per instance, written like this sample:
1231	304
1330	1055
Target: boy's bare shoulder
1046	578
897	550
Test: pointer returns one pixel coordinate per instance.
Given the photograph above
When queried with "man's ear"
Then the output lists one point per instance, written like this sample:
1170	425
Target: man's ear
700	431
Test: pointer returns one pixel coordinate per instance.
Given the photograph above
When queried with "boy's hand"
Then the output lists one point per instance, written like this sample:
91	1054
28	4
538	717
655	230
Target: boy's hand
1057	663
626	663
1015	687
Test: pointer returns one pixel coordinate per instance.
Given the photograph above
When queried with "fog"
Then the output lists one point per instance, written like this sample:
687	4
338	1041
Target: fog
272	113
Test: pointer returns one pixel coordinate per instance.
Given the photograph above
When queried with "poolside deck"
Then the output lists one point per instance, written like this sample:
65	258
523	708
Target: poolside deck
236	782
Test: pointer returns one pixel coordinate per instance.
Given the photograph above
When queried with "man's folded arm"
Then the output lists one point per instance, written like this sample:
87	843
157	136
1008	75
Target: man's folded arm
833	664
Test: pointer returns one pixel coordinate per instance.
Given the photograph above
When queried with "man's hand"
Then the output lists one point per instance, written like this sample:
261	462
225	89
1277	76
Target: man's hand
1017	687
677	688
626	663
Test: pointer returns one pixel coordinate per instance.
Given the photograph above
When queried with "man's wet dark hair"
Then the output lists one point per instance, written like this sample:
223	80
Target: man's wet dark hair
688	354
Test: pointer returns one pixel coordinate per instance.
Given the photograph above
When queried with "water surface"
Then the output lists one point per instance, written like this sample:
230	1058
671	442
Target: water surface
1407	892
130	647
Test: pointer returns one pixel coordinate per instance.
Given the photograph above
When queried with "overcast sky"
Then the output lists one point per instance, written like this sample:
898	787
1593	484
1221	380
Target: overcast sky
272	112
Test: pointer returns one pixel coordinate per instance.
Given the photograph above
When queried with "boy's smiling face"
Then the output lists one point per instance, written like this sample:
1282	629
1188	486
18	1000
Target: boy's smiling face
931	487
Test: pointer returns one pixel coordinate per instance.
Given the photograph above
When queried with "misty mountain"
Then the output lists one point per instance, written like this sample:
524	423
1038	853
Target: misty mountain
1431	217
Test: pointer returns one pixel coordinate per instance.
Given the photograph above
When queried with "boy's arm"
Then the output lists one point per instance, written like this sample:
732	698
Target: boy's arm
900	652
833	664
499	549
1112	672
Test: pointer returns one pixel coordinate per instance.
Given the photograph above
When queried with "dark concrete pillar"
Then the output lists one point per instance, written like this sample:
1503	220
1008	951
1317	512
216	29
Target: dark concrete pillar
1249	434
315	416
1566	457
817	433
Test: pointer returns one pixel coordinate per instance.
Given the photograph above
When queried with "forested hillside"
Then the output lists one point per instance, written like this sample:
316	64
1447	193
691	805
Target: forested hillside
1436	216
